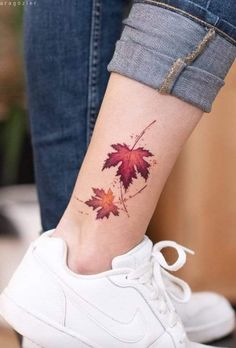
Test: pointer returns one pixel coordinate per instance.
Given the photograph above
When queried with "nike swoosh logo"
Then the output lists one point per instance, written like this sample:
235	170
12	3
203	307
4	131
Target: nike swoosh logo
132	331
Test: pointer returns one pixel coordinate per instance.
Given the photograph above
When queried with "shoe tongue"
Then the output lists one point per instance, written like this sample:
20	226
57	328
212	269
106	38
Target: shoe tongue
135	257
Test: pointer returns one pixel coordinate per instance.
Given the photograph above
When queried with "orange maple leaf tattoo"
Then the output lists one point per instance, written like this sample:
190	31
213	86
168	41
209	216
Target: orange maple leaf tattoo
103	202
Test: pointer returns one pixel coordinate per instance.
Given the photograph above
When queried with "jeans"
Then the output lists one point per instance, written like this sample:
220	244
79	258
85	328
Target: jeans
176	54
220	14
68	45
175	46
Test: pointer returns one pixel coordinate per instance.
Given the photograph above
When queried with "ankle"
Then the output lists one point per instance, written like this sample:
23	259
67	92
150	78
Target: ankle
88	264
86	254
91	246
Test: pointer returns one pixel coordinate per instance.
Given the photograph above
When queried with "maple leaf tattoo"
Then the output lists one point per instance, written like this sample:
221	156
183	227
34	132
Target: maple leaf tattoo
103	202
131	161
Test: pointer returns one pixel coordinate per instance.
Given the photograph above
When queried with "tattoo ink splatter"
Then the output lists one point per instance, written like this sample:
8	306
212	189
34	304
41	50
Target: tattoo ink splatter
131	162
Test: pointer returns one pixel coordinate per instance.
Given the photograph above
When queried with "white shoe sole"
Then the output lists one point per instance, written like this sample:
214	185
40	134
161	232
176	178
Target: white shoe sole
31	328
38	332
214	331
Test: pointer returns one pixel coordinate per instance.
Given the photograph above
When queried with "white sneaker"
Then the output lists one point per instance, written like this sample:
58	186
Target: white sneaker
29	344
206	316
124	307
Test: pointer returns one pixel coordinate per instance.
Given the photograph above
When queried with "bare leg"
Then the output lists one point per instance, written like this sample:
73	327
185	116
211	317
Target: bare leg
101	224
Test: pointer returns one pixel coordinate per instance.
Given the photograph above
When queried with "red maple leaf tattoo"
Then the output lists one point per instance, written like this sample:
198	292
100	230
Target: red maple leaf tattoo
131	162
104	202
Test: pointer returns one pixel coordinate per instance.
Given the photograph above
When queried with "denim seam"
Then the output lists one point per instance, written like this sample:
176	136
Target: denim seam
159	56
180	64
94	58
122	53
177	10
208	4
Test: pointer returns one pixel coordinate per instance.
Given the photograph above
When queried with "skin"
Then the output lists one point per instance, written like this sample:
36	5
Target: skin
128	108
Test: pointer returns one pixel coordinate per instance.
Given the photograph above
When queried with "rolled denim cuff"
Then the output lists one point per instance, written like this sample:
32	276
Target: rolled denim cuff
173	54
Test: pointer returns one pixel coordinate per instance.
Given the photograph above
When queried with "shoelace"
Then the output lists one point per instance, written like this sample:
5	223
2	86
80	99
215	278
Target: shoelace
153	274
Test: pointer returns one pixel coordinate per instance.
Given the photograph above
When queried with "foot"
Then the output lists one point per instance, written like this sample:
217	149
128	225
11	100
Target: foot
125	307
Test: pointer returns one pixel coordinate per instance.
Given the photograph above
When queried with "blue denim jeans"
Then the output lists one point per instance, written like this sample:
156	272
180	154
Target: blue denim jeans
180	47
68	45
221	14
